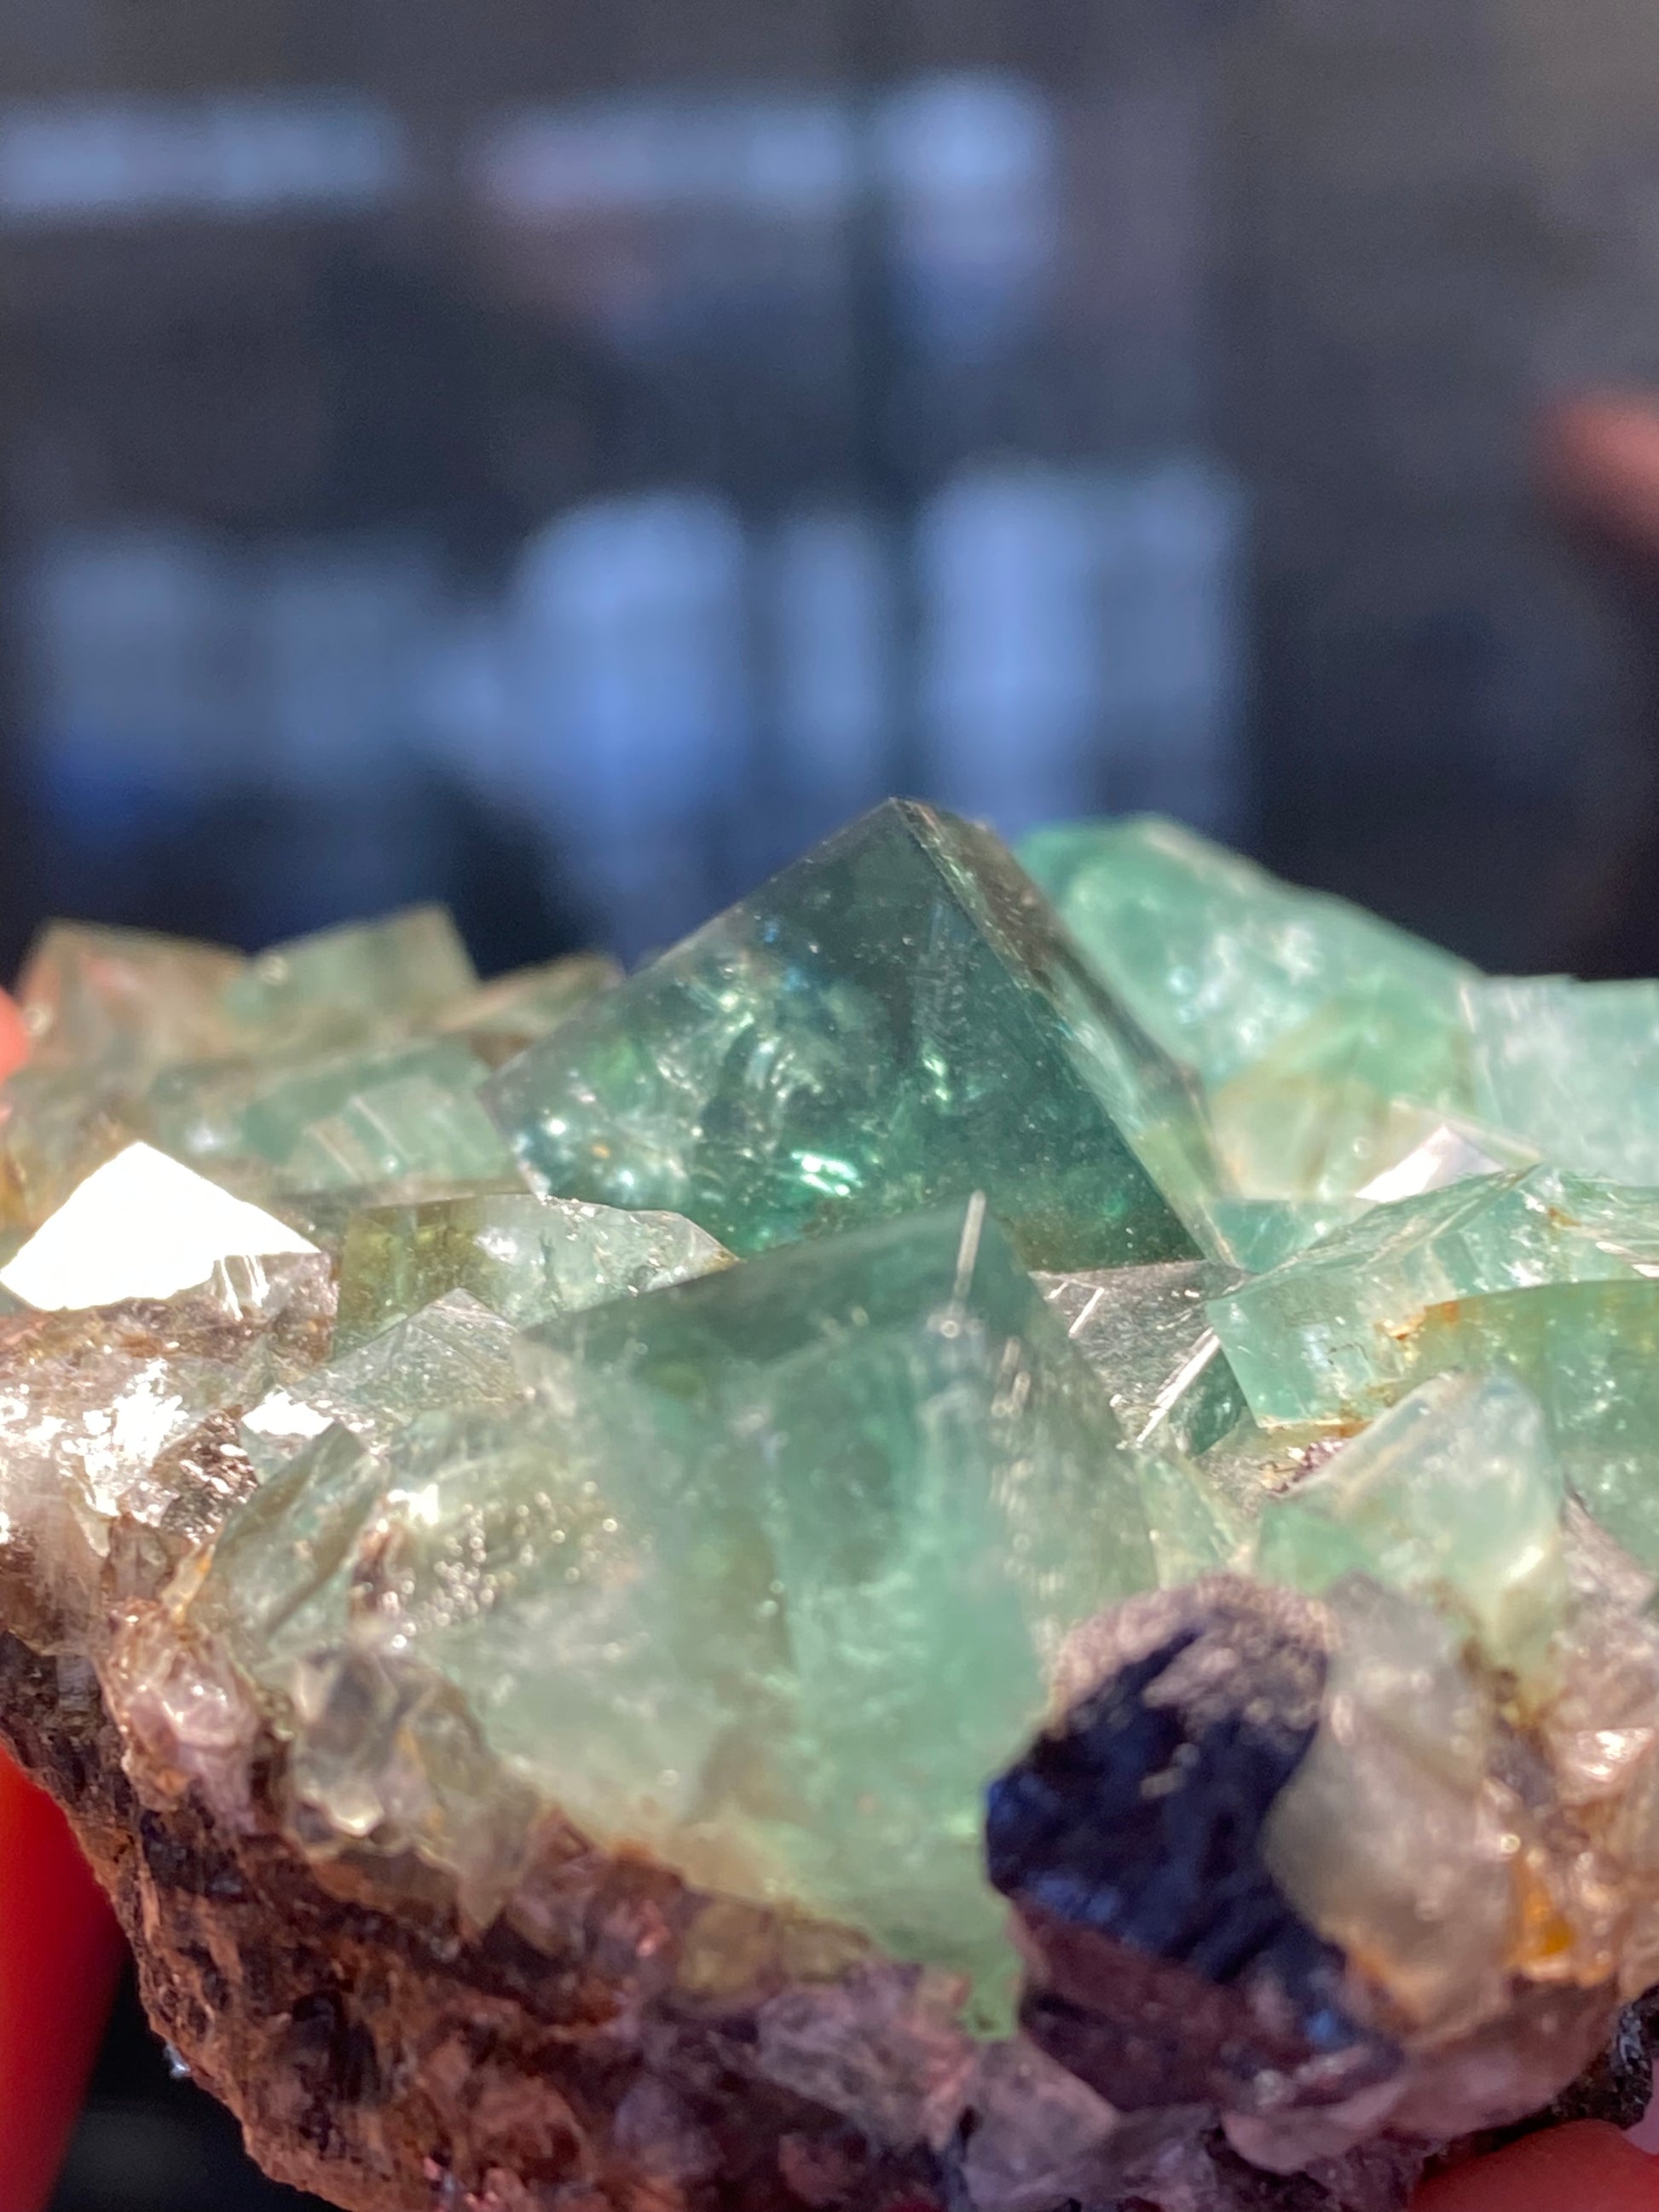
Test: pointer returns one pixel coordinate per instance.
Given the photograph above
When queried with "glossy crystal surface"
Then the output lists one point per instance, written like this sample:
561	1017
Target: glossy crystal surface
1456	1495
893	1021
1327	1336
527	1258
1222	963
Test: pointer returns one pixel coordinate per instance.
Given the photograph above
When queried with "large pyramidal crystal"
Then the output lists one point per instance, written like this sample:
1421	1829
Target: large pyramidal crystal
617	1648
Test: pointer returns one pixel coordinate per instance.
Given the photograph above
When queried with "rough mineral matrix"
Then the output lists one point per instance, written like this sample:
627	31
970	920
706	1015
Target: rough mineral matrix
986	1542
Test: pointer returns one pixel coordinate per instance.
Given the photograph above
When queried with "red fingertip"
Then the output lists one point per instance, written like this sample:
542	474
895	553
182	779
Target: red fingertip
1587	2167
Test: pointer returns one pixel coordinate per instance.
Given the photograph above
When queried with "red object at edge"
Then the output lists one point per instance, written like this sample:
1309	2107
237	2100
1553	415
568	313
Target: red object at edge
60	1951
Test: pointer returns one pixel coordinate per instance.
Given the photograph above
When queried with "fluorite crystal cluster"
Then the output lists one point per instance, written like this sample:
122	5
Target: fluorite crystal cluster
985	1541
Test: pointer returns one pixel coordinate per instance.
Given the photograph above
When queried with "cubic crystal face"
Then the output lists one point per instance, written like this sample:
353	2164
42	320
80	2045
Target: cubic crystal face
1327	1336
576	1508
893	1021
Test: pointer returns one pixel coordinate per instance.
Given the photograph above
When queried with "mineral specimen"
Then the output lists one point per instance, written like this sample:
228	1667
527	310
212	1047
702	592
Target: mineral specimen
576	1718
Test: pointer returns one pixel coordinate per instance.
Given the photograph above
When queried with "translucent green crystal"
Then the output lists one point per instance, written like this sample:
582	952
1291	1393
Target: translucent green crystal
528	1259
250	1110
1457	1496
501	1018
1327	1336
365	978
1195	1527
454	1353
1255	1234
1573	1068
894	1020
1589	1352
1146	1334
407	1129
875	1463
1220	963
117	1003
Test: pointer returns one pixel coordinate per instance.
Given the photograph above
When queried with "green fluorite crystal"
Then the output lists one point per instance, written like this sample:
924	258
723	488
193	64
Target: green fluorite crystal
1221	964
1327	1336
455	1351
894	1020
1145	1333
1456	1495
1589	1352
501	1018
124	1000
411	1129
529	1259
383	976
263	1111
1573	1068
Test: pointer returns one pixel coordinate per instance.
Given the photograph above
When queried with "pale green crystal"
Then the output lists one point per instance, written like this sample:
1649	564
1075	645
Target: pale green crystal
1195	1527
116	1004
362	979
454	1353
1327	1336
214	1112
1218	960
503	1018
1589	1353
1256	1234
1146	1334
407	1129
895	1020
1457	1496
528	1259
1573	1068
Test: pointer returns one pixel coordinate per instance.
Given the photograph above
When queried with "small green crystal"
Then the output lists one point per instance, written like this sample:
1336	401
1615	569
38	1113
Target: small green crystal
1327	1336
362	979
1573	1068
116	1004
1220	963
454	1353
225	1112
1146	1334
526	1258
409	1129
1195	1529
1589	1352
893	1021
502	1019
1456	1495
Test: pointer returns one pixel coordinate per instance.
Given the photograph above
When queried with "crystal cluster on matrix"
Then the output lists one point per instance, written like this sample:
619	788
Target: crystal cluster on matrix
987	1541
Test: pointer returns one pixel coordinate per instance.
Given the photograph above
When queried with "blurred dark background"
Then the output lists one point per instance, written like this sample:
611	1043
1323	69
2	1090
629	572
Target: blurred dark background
561	458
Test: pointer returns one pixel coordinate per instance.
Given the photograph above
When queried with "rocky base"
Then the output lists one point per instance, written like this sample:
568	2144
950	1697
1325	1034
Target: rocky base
600	2049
